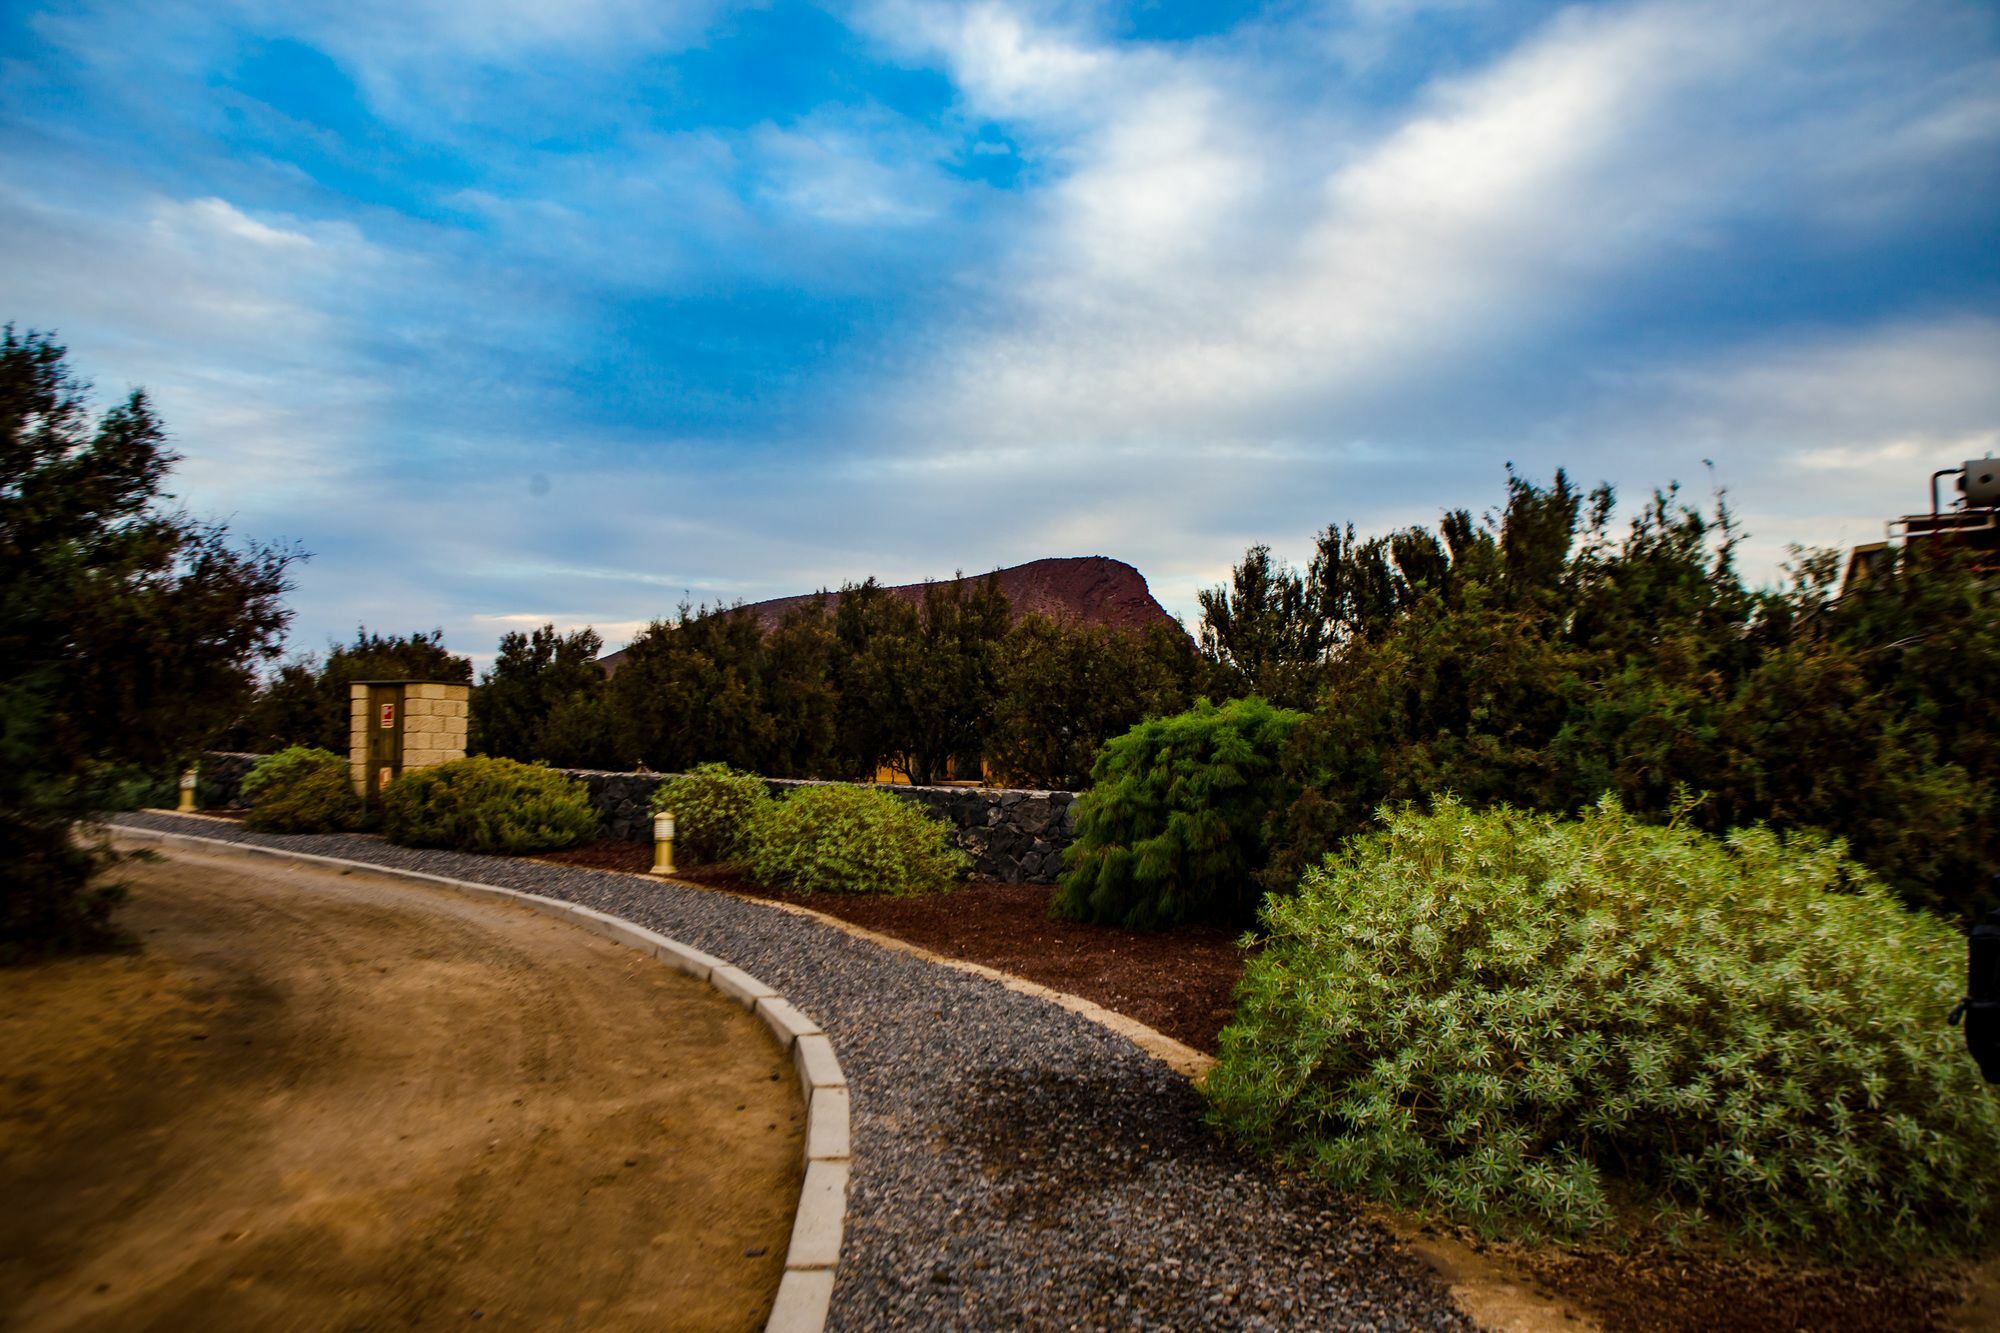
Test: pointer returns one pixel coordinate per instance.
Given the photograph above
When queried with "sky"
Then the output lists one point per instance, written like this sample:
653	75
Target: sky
513	312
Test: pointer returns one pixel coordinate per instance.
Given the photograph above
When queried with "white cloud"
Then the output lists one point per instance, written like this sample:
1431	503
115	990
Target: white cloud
1213	266
1820	437
850	169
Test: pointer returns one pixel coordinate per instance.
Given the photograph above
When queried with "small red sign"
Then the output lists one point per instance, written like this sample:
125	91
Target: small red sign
388	717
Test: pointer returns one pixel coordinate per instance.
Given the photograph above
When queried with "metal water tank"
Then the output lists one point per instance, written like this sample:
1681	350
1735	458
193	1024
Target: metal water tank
1981	483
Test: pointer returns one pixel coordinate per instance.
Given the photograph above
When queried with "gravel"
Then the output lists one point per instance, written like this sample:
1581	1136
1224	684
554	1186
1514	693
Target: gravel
1014	1164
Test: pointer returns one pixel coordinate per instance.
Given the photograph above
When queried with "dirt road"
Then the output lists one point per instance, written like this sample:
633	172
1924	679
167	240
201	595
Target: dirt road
317	1100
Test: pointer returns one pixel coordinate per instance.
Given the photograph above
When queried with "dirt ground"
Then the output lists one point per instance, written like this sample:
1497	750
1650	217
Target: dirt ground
314	1100
1181	982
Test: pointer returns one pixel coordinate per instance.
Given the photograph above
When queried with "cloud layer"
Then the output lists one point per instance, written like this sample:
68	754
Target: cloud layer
521	313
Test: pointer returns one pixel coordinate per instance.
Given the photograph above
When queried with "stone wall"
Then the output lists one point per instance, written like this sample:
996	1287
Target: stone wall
1015	836
1012	835
623	801
222	774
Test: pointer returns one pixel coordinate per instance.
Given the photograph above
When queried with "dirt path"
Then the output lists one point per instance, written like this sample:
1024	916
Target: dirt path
335	1101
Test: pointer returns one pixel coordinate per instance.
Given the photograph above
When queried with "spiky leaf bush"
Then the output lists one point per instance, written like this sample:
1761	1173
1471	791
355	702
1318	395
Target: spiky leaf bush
714	807
848	839
301	790
1172	828
487	805
1531	1023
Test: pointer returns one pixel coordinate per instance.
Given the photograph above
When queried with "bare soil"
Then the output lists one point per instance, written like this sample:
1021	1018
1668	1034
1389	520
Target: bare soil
315	1100
1181	982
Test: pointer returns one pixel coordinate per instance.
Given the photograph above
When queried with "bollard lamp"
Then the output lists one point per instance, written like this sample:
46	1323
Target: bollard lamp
663	843
186	807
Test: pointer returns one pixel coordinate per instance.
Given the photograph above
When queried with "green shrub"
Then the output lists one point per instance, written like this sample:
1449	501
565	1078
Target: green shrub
129	787
1552	1026
848	839
487	805
301	790
714	807
1172	828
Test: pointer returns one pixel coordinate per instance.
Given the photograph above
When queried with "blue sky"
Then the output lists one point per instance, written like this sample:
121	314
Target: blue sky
513	312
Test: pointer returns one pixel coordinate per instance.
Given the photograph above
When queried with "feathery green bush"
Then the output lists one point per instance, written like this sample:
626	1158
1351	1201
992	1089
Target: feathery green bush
849	839
302	790
714	808
1172	828
1548	1026
487	805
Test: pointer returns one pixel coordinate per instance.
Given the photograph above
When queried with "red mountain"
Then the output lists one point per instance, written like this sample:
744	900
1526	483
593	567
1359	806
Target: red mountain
1093	589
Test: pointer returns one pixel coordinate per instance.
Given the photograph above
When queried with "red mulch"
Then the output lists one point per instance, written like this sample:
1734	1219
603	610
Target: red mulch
1664	1291
1181	982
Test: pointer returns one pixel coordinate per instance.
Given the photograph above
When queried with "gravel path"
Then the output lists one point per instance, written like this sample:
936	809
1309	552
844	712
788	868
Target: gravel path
1015	1165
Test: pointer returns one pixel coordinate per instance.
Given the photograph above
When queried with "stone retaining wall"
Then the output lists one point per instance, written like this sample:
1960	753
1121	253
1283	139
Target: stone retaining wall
222	774
1015	836
1011	835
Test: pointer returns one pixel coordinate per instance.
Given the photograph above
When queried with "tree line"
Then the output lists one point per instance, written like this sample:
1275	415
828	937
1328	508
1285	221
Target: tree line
1538	656
1543	656
948	682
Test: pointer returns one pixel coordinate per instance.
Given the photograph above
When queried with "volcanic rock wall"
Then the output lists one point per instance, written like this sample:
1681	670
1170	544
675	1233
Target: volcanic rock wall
1011	835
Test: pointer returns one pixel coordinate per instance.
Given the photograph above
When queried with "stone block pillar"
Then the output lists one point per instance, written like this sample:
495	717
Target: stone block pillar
398	726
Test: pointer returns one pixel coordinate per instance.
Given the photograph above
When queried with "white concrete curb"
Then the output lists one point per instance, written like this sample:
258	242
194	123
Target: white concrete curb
806	1291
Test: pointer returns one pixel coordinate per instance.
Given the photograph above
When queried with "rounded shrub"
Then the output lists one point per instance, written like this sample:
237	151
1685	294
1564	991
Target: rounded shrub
1172	828
848	839
487	805
714	808
1553	1026
301	790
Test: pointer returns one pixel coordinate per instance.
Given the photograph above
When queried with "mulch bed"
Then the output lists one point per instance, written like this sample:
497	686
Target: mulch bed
1656	1290
1181	982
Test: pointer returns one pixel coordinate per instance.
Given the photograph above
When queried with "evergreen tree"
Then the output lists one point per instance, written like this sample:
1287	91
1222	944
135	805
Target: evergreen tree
1064	689
128	633
690	691
1265	632
917	680
542	699
307	702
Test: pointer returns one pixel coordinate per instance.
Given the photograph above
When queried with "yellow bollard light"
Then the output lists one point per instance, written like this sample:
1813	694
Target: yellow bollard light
186	807
663	843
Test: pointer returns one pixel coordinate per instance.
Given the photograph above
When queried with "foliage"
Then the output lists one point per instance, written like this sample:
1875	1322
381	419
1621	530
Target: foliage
849	839
131	788
1064	689
690	691
543	698
307	702
1539	659
302	790
915	685
487	805
1533	1024
714	808
128	634
801	696
917	679
1172	828
1264	633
